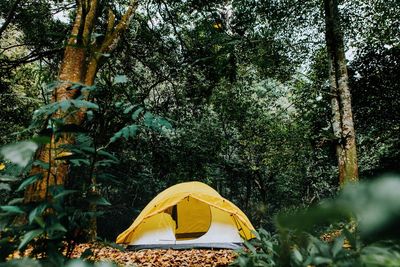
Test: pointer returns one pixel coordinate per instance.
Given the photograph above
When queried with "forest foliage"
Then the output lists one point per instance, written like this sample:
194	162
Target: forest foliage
233	93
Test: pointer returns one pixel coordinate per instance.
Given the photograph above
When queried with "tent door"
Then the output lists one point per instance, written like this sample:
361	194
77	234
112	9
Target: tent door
192	218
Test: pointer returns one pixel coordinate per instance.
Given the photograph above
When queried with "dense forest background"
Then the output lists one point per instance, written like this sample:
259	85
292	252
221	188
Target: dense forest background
231	93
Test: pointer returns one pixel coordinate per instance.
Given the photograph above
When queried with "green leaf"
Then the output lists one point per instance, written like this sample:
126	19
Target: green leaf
89	115
84	140
84	104
163	123
45	110
40	221
128	109
250	247
321	246
21	262
337	245
350	237
41	140
136	114
56	227
88	149
80	162
64	193
19	153
108	155
4	186
132	130
29	181
321	260
105	163
12	209
120	79
29	236
126	132
95	35
89	88
98	200
36	213
156	122
16	201
306	220
8	178
42	164
64	104
148	119
297	256
77	85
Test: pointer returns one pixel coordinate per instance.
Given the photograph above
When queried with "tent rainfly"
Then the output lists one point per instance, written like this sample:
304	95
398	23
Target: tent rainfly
188	215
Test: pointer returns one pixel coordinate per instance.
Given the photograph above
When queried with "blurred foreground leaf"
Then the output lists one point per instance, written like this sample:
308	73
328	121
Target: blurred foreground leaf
19	153
375	205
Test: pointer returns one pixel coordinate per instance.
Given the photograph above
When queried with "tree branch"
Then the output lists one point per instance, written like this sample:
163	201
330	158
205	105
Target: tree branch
174	27
33	56
110	22
4	49
10	16
112	37
89	21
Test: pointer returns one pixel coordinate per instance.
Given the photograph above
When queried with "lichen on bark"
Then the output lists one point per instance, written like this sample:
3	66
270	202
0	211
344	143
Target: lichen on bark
342	116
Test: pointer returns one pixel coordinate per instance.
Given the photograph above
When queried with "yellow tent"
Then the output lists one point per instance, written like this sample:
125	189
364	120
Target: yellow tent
190	214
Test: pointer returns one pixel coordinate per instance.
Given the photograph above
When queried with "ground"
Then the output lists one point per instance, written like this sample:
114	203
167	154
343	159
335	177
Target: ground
158	257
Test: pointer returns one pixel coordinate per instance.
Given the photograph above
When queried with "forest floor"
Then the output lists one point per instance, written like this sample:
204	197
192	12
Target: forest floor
99	252
158	257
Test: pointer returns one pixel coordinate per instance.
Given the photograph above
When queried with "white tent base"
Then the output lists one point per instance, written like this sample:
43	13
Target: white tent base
188	246
158	232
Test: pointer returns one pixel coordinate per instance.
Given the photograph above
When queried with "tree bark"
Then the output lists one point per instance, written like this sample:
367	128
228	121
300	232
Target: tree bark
80	64
342	117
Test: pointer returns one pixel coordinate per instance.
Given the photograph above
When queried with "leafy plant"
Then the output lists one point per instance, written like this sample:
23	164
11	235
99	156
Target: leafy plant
260	252
50	228
368	215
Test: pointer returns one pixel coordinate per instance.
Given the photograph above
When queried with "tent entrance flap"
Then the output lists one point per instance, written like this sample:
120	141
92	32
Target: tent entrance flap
222	229
193	218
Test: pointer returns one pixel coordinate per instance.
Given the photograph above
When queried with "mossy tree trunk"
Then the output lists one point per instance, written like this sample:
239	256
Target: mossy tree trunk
342	117
82	57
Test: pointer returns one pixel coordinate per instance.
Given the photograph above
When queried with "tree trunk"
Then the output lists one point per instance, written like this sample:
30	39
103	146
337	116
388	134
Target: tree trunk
342	117
80	64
